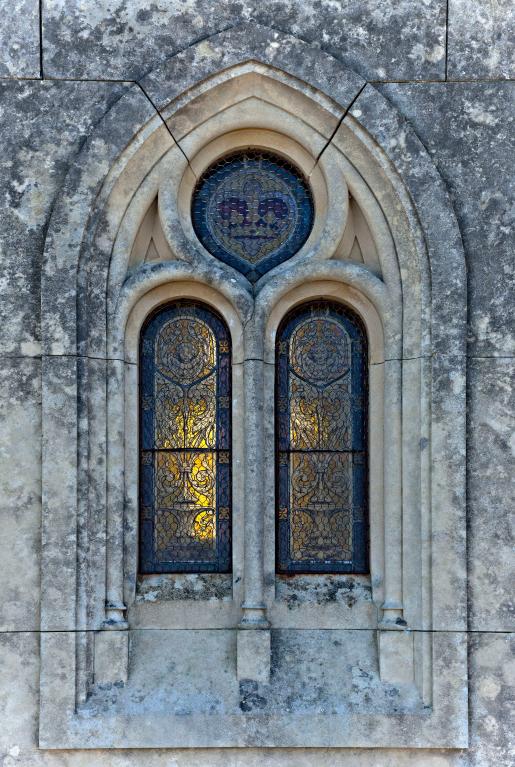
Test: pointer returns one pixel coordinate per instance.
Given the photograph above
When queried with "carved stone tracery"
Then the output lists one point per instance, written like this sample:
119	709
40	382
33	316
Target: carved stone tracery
366	251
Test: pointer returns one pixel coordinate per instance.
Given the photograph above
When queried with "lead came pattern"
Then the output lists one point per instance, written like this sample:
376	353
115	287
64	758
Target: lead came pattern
252	210
185	504
185	461
321	506
321	432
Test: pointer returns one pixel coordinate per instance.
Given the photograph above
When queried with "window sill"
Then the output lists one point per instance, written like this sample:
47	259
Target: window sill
196	587
345	590
323	601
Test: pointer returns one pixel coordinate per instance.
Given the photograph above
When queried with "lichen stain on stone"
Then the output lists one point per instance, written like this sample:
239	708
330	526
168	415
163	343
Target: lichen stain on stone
322	590
478	114
206	50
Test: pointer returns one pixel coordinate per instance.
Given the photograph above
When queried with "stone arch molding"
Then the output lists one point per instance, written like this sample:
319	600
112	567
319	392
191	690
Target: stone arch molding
385	243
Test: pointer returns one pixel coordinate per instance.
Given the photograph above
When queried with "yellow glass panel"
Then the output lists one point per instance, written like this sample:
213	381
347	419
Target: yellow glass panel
185	502
185	479
185	385
204	526
186	417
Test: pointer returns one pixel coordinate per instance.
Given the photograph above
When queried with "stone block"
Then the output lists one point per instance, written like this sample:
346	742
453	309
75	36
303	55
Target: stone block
448	507
396	657
253	655
182	691
19	39
57	688
59	497
481	41
491	496
43	125
111	657
492	675
260	43
70	216
19	671
380	39
20	493
469	131
436	217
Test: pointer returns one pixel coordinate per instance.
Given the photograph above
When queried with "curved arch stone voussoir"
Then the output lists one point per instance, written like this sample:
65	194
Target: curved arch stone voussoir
320	72
434	210
88	182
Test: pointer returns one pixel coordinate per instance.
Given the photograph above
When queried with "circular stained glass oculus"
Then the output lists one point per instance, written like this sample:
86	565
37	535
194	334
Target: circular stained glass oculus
252	210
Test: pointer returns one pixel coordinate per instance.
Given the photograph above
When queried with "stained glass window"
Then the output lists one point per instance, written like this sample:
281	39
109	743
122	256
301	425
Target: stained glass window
252	210
321	441
185	455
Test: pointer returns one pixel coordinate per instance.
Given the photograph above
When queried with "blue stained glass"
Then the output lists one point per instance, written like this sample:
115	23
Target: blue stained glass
252	210
321	441
185	441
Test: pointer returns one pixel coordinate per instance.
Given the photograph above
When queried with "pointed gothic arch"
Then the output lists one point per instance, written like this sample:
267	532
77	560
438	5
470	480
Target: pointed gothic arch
385	243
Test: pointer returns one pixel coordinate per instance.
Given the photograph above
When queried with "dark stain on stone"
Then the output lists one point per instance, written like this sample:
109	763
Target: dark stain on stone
249	696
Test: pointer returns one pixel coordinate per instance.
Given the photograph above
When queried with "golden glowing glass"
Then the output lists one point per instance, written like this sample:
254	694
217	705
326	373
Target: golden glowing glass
186	441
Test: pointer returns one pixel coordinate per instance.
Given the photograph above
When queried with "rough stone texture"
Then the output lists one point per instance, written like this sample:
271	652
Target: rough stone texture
469	130
492	700
255	42
20	493
380	39
321	590
493	672
19	39
43	125
491	495
481	41
194	586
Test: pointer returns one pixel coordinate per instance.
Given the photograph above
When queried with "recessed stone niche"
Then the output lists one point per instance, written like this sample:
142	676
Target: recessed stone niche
253	659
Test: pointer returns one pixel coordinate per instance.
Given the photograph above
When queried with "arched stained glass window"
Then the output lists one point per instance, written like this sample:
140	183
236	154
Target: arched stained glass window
185	443
321	441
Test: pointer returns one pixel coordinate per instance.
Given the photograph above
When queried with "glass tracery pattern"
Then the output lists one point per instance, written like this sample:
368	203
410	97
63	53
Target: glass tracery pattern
321	441
252	210
185	457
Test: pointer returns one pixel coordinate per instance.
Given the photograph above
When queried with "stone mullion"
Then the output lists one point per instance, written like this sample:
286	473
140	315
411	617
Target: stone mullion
253	661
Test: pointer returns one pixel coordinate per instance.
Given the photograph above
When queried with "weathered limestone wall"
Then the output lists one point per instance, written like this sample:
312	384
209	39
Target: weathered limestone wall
446	67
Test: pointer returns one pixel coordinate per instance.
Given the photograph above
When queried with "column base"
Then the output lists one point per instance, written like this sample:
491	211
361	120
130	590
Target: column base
253	616
392	616
115	616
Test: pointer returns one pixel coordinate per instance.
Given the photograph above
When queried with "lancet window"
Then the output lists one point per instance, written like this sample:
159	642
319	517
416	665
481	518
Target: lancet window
185	441
321	441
